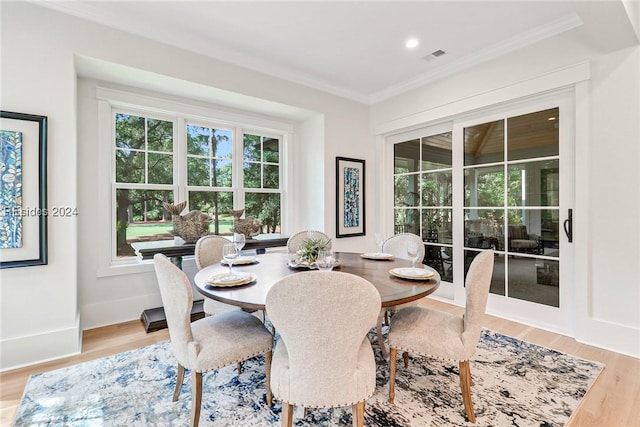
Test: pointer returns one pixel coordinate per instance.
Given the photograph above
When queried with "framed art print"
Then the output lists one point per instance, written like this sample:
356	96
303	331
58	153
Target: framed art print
23	190
350	192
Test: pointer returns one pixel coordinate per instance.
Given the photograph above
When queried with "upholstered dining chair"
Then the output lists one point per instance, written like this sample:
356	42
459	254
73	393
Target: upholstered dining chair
209	343
397	246
294	242
208	251
441	335
323	358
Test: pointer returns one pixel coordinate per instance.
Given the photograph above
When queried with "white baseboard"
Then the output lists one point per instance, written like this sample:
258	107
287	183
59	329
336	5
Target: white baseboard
28	350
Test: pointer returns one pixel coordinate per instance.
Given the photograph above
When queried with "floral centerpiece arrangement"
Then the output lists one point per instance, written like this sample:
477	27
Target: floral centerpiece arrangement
309	249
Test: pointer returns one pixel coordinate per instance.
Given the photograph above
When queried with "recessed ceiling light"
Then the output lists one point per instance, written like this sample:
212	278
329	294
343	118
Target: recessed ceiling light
551	118
412	43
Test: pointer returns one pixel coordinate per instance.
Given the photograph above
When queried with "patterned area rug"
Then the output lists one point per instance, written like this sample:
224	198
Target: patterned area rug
515	384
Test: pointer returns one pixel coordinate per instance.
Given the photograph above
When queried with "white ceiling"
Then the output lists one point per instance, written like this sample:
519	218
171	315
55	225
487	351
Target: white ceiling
352	49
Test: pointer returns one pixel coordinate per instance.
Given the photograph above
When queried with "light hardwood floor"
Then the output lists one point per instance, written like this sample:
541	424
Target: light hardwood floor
613	401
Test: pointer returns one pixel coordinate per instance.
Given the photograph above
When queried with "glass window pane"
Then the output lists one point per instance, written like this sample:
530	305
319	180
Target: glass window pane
437	225
129	131
484	143
140	216
483	228
198	140
265	207
252	175
130	166
484	186
222	143
436	189
198	170
534	280
533	135
252	148
534	231
436	151
534	184
406	190
159	135
406	156
221	173
216	203
407	221
160	168
271	148
271	176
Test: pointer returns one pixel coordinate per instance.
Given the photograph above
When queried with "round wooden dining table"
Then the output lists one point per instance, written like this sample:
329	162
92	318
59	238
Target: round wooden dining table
272	267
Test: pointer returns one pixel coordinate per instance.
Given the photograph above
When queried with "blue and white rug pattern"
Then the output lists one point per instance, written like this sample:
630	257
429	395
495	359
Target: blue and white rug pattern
515	384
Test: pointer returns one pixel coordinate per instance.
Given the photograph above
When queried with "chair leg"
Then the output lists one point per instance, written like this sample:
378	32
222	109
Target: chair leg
268	379
465	385
196	397
358	414
383	346
239	367
179	381
392	374
287	414
405	357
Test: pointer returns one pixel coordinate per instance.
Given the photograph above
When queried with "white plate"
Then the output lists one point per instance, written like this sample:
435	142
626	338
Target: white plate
242	260
376	255
236	279
412	273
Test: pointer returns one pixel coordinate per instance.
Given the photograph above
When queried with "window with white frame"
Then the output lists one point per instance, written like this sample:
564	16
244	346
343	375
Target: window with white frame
171	158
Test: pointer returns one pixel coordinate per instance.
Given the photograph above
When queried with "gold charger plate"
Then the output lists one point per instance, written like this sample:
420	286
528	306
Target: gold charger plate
412	273
225	280
377	255
242	260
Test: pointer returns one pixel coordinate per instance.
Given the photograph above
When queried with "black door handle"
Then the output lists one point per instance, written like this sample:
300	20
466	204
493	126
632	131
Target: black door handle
568	226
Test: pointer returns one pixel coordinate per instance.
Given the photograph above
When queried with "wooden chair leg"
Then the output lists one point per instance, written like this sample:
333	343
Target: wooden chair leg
405	357
239	367
392	374
287	414
383	346
268	379
179	381
196	397
358	414
465	385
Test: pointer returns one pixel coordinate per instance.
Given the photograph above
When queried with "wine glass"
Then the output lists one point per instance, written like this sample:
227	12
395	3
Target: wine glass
412	251
379	241
325	261
230	252
239	240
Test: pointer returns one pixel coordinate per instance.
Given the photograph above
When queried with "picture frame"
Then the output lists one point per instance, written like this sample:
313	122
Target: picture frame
350	197
23	189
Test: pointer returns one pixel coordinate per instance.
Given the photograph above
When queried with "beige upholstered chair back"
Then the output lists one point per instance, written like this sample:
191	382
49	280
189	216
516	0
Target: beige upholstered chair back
323	319
209	250
177	299
397	245
294	242
477	286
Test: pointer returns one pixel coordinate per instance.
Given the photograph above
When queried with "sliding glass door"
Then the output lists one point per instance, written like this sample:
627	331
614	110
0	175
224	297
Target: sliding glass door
503	181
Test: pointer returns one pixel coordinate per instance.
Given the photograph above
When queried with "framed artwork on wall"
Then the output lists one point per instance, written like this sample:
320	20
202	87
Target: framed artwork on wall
350	197
23	190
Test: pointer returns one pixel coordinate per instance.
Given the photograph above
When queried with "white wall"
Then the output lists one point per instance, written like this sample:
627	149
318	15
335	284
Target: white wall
607	163
40	306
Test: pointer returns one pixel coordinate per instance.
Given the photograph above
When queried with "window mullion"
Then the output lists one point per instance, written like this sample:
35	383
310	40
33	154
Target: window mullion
237	170
180	192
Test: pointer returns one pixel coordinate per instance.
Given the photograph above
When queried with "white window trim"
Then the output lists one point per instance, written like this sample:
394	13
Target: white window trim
110	100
